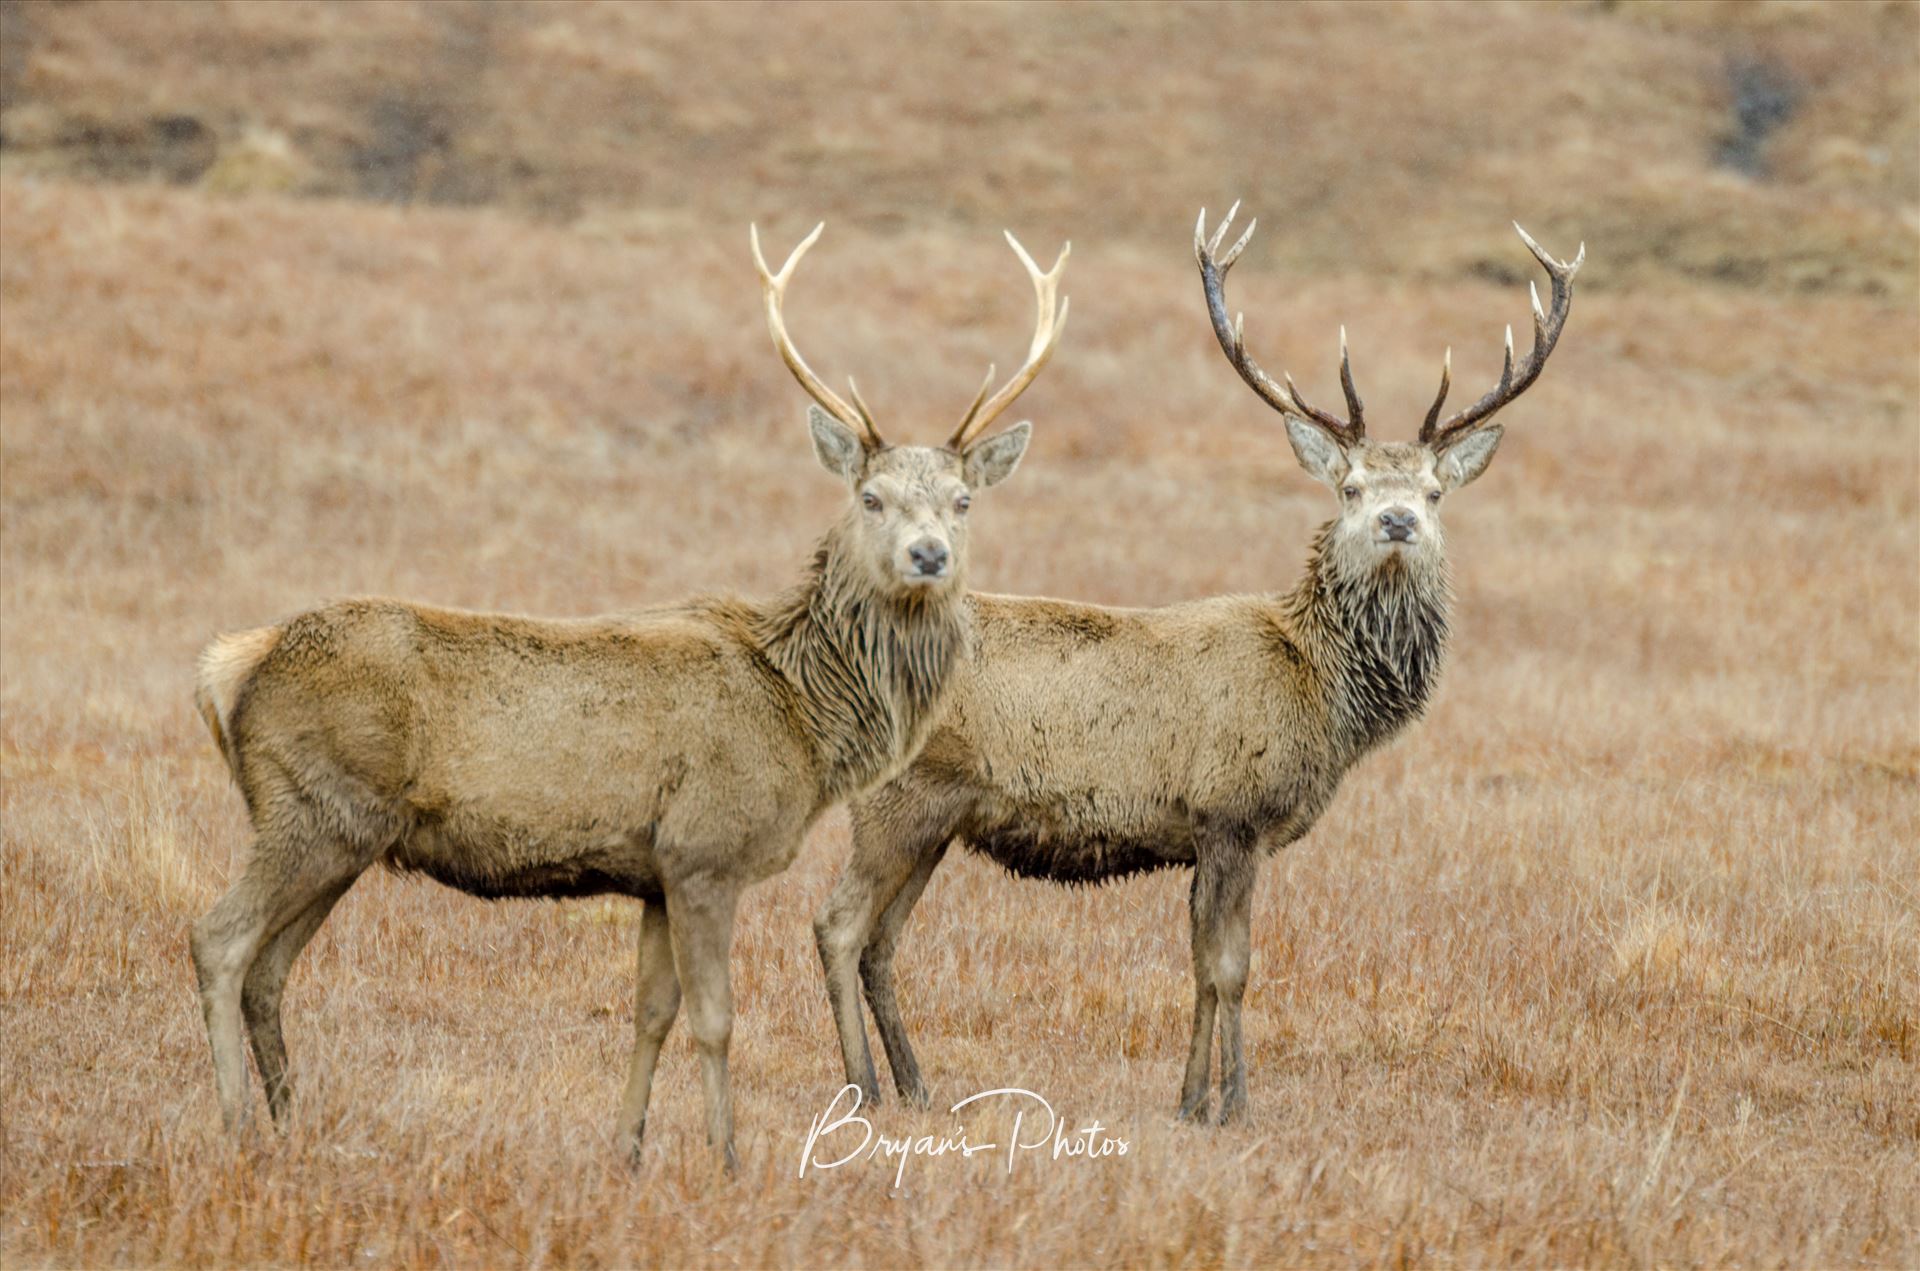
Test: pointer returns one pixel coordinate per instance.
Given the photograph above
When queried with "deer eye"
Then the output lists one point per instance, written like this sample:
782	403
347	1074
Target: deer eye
1433	496
1352	492
962	503
870	501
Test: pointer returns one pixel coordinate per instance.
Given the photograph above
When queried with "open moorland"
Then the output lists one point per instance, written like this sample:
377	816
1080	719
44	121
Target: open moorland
1614	959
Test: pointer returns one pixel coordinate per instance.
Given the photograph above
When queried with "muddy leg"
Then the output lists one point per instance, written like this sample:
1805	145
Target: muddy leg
1231	956
1194	1090
656	1001
701	917
876	971
886	852
266	983
840	931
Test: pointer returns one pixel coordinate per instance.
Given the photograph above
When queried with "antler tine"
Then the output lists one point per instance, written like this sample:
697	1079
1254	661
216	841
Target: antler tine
774	286
1232	337
1049	322
1220	231
1515	380
1220	236
860	404
1354	409
1440	398
973	408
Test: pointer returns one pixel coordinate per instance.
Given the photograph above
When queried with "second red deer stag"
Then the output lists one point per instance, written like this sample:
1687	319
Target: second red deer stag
1083	743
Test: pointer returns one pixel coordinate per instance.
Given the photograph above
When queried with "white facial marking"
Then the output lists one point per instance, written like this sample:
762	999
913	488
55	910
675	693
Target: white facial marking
1386	506
912	516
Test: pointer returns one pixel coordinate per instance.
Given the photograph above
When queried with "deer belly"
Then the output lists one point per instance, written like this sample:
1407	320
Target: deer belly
500	861
1063	851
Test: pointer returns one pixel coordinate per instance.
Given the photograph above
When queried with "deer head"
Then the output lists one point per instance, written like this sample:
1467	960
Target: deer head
1390	492
909	520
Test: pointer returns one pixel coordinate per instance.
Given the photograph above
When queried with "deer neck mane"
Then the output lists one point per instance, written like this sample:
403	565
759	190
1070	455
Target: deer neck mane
1375	631
867	669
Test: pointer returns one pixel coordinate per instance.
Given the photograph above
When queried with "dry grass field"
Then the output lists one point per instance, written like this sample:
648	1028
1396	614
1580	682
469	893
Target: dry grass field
1613	960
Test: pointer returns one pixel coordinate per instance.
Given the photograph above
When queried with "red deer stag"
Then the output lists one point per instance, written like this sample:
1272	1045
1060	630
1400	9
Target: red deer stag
675	754
1083	743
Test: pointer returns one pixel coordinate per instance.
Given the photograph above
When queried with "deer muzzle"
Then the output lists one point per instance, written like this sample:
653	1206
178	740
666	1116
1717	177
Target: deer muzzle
1399	525
929	559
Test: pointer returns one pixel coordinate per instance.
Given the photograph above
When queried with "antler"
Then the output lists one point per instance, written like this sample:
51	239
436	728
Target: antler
1046	334
1546	332
857	416
1232	337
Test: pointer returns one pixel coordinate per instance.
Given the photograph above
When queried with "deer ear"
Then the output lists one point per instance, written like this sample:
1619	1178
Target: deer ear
1322	456
837	446
988	463
1468	458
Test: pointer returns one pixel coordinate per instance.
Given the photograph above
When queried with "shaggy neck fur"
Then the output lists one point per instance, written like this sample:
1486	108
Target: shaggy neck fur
1376	632
867	668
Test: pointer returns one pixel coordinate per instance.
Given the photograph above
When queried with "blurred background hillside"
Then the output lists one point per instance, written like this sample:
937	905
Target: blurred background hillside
1763	146
1610	961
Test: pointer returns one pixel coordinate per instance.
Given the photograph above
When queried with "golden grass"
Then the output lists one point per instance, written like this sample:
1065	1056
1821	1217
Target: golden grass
1615	959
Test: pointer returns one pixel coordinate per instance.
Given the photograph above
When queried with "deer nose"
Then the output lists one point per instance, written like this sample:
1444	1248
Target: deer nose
1399	523
929	557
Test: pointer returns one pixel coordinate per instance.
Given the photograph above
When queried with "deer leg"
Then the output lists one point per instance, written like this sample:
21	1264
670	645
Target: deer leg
840	931
876	972
701	922
656	1001
1230	959
1194	1092
892	832
225	943
263	988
